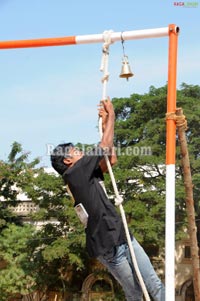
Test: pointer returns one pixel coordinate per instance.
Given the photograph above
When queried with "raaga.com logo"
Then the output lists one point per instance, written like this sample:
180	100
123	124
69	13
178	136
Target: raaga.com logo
187	4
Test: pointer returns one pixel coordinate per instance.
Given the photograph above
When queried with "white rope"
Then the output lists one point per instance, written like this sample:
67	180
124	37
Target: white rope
118	197
104	61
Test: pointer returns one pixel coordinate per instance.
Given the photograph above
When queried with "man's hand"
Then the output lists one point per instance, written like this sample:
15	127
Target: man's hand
108	132
108	107
104	115
106	112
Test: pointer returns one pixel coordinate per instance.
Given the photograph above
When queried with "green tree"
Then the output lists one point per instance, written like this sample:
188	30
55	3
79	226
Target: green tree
16	276
55	251
188	100
58	248
140	172
15	175
51	254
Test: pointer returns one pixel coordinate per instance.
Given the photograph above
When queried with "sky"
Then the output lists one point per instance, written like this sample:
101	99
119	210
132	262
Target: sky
50	95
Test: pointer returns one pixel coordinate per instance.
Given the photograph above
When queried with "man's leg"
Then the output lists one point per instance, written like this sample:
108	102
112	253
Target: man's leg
119	267
153	283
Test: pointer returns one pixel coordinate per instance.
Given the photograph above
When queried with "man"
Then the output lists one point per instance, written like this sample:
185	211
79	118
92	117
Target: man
105	236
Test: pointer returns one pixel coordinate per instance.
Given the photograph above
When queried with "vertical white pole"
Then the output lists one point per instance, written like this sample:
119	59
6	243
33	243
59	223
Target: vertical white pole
170	234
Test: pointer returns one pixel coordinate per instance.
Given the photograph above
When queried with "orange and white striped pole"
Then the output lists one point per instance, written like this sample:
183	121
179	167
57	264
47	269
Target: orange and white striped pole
170	167
85	39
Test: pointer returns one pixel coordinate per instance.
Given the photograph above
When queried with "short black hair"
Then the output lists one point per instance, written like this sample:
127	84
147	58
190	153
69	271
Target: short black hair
59	153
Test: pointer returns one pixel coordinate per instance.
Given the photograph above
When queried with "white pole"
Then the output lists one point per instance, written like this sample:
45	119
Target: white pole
126	35
170	234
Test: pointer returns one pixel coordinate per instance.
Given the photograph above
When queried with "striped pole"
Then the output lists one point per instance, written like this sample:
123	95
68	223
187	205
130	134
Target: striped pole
170	167
85	39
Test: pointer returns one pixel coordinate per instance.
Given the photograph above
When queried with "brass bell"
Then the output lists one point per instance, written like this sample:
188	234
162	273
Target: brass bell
126	70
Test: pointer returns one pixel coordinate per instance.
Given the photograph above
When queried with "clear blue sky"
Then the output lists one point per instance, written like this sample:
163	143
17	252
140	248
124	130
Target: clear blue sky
50	95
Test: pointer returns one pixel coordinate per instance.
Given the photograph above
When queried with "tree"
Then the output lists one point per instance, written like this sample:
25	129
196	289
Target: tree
140	134
14	176
192	229
55	253
50	254
16	276
140	173
58	248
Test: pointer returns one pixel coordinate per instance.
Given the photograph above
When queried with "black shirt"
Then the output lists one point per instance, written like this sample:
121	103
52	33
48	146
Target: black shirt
104	228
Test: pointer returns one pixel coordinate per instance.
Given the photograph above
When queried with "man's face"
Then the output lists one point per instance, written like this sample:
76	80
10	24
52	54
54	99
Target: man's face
73	155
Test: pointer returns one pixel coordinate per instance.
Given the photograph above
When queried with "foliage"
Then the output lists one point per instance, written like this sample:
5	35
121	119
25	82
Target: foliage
140	172
49	252
16	276
12	179
47	257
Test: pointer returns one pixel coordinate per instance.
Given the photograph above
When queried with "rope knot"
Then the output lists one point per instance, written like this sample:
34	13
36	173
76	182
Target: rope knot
179	119
107	39
105	53
118	200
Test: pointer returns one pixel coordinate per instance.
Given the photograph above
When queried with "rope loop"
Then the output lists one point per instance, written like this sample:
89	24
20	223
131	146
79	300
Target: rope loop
105	53
171	116
180	120
118	200
107	40
105	78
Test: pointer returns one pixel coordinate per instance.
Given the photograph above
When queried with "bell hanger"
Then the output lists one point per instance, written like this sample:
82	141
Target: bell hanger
125	70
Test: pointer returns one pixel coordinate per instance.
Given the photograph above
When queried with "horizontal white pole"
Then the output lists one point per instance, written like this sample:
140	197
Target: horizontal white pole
125	35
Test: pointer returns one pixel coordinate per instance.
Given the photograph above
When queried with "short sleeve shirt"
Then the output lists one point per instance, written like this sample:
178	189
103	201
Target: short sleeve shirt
104	228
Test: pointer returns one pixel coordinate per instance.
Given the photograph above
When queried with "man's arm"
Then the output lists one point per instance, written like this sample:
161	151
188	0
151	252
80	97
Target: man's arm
112	158
106	112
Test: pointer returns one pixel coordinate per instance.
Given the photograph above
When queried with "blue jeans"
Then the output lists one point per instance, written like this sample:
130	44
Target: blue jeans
119	264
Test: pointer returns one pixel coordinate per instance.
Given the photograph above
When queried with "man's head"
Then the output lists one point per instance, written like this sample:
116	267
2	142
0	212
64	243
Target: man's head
64	156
